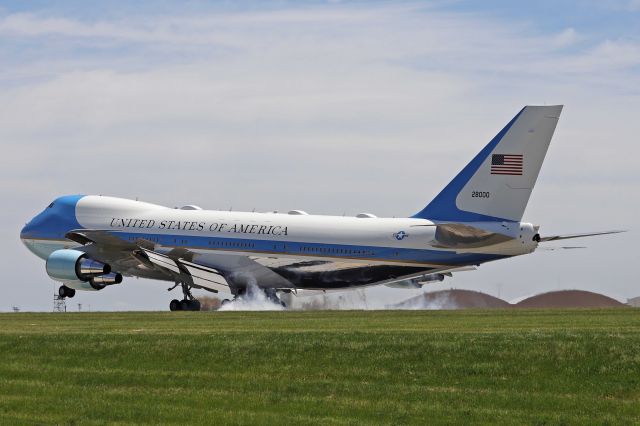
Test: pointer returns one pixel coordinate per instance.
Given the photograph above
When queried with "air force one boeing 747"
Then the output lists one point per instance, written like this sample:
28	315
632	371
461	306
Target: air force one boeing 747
91	242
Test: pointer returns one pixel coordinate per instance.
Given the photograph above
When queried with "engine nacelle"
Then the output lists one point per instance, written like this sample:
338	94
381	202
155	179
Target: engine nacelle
73	265
80	285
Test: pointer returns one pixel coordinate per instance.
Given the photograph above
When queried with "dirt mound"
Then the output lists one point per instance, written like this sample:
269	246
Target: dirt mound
569	299
452	299
464	299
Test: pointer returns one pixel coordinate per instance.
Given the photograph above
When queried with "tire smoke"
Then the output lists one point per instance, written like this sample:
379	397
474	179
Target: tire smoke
254	299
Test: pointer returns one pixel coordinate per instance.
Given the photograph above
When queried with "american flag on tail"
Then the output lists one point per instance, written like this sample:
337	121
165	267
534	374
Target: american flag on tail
507	164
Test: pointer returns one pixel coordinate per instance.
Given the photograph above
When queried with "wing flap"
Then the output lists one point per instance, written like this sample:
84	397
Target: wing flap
161	260
206	277
201	276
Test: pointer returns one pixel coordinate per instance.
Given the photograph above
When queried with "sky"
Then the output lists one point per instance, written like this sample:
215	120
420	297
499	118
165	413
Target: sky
329	107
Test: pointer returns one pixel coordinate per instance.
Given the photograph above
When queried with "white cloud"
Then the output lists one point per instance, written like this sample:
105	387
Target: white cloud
566	38
30	25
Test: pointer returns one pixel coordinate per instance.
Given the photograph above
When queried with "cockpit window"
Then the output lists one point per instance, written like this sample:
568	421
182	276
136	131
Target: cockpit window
50	205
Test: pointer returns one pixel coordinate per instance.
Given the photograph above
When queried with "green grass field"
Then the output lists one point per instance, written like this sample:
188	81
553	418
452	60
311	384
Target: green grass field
391	367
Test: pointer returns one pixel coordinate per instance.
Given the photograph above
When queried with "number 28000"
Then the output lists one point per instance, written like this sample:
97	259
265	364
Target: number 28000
480	194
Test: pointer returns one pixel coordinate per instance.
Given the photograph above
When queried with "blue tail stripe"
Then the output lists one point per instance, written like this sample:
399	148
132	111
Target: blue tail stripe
443	207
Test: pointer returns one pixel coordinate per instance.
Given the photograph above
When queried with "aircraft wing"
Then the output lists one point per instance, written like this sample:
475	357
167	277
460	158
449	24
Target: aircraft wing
569	236
140	258
98	236
147	259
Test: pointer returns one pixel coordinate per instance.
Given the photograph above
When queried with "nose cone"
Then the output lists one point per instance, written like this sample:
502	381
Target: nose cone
24	233
24	237
29	237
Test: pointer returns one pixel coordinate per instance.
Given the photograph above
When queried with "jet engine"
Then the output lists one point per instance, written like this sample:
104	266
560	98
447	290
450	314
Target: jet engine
102	281
75	269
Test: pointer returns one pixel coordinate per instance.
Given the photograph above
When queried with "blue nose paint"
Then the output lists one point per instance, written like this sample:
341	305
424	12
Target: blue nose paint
54	221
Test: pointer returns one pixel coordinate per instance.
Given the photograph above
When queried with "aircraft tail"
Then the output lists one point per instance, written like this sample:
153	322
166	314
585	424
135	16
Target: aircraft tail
497	183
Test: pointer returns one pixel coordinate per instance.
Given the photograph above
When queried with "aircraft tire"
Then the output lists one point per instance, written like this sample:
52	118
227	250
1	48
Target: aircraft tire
65	291
194	305
175	305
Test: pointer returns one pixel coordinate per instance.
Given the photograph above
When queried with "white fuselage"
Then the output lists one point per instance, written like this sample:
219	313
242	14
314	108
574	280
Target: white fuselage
402	241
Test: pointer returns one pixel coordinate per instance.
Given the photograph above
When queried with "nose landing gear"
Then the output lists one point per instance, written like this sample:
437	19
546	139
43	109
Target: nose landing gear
65	291
188	303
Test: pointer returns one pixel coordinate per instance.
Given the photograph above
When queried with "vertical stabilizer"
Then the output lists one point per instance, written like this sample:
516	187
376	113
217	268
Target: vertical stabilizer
497	183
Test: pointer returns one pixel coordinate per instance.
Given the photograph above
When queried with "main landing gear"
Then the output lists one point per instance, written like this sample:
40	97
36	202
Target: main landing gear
189	303
65	291
257	295
273	297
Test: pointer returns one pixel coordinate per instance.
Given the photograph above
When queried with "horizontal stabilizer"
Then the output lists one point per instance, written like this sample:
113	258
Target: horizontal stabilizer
559	248
569	236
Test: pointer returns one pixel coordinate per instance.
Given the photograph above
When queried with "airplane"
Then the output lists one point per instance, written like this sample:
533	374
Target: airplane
91	242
